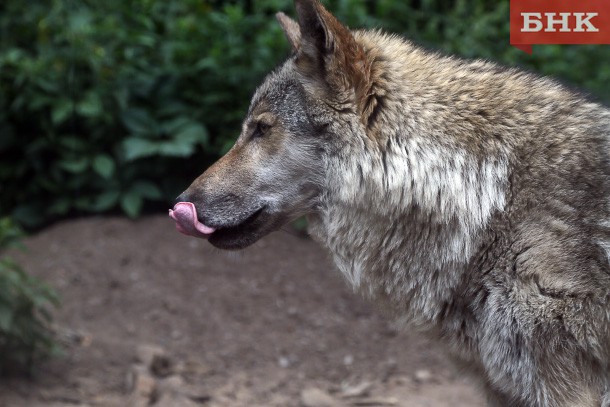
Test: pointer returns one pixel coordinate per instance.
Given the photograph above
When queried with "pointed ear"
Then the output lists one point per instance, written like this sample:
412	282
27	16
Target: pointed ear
291	30
322	33
329	51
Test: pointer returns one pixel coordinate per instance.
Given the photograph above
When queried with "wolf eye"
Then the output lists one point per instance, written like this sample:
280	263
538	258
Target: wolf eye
260	130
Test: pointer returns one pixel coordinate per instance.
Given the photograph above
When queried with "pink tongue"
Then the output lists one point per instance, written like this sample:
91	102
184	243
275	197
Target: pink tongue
185	215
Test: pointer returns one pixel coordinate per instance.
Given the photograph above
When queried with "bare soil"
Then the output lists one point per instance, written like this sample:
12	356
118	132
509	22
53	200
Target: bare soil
274	325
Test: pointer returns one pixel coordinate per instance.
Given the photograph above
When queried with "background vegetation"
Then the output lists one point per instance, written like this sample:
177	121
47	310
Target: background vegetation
25	304
116	105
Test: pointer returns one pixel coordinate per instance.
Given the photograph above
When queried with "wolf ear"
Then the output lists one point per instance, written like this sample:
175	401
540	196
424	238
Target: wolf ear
322	34
291	30
328	50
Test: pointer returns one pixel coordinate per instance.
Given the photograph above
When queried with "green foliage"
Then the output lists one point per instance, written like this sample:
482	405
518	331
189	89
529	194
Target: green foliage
25	337
101	102
114	105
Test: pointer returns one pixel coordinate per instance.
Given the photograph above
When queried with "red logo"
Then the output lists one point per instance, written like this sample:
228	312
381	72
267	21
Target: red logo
559	22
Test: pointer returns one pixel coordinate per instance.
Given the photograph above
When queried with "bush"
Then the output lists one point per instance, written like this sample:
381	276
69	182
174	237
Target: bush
113	105
100	102
25	335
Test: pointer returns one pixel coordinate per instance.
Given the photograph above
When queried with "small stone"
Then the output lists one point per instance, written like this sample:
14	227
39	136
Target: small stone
176	385
314	397
284	362
175	382
375	402
390	368
359	390
348	360
175	400
155	359
422	375
145	354
176	334
162	366
143	387
193	367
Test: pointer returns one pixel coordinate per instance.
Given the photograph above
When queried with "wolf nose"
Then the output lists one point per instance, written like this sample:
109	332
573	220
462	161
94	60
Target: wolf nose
188	196
183	197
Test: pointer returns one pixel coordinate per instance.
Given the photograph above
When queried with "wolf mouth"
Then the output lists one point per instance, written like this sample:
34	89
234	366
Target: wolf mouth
241	225
240	235
234	235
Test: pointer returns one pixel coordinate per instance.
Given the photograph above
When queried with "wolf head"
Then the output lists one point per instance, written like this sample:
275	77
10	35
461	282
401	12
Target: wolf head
318	100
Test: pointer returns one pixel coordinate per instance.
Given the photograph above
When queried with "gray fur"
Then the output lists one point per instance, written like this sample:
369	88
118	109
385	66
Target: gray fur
471	200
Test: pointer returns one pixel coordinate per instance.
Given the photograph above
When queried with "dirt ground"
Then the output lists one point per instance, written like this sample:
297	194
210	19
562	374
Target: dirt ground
150	317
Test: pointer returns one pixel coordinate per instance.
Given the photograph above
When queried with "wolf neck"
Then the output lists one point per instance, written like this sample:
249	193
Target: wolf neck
408	209
403	227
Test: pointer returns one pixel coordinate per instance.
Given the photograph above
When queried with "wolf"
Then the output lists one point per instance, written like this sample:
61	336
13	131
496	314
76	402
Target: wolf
470	199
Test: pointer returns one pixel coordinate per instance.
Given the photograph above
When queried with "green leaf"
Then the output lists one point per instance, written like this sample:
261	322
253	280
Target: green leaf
176	149
147	189
48	85
74	143
74	165
131	203
91	105
28	214
192	133
61	206
121	96
105	201
84	203
61	111
6	318
10	233
139	121
172	126
104	165
13	55
135	147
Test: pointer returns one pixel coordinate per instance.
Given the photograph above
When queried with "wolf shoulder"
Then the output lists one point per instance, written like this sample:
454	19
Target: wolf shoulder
478	91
